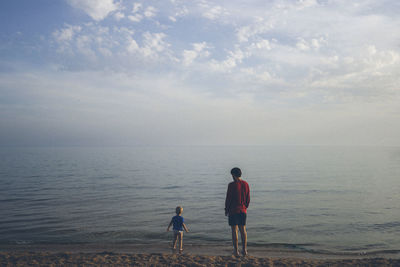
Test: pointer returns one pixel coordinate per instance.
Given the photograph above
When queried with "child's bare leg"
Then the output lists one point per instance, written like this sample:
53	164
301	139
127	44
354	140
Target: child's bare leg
180	242
235	239
174	241
243	235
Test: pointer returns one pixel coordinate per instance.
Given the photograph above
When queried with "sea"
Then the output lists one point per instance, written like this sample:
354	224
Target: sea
329	199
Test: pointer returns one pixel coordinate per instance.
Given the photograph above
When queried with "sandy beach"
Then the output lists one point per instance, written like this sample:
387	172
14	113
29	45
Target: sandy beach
160	259
149	255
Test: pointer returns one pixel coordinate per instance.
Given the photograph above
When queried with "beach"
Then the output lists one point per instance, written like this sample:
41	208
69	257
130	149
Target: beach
161	255
157	259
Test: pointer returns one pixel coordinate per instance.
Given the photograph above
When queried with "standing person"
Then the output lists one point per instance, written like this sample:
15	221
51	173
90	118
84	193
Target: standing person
178	226
236	204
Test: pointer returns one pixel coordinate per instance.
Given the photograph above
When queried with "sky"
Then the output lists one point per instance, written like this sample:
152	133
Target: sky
199	72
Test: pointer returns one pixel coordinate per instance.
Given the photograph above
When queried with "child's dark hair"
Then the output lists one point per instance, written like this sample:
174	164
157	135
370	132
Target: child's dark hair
178	210
236	172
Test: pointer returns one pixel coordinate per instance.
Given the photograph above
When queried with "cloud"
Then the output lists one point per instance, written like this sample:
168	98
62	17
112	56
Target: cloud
153	46
179	12
266	57
370	73
119	15
199	51
96	9
150	12
135	17
213	12
132	46
302	45
136	7
258	27
153	43
103	108
86	40
139	13
66	34
119	47
301	4
233	59
281	41
262	44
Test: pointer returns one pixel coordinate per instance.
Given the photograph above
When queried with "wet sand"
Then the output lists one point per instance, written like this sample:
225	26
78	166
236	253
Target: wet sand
160	255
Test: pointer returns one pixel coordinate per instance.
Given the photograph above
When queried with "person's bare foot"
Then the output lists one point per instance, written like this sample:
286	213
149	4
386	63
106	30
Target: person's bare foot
244	252
236	253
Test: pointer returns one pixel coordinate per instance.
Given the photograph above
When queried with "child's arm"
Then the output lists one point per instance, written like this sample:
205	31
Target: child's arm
169	226
184	227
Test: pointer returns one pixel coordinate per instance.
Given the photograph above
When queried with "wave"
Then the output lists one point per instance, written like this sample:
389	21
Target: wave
217	246
172	187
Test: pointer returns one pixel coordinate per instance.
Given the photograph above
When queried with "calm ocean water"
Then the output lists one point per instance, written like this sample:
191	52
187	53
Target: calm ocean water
338	199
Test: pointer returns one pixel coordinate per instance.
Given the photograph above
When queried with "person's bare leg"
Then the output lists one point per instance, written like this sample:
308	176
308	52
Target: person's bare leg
180	242
235	239
243	235
174	241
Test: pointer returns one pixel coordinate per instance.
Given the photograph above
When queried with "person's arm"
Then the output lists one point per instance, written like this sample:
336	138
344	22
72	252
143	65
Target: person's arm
248	196
228	200
184	227
169	226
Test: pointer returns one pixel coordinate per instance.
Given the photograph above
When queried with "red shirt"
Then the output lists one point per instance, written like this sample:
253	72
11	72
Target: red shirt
237	197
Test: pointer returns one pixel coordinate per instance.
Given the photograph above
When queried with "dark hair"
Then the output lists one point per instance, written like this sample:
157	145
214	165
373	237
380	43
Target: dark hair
236	172
178	210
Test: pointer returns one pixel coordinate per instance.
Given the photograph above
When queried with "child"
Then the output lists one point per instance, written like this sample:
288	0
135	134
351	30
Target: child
177	221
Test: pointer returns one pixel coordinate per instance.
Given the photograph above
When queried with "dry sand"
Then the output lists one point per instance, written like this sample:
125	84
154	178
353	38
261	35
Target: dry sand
132	255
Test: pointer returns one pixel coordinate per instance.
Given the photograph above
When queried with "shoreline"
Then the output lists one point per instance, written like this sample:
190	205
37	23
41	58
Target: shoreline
193	249
108	254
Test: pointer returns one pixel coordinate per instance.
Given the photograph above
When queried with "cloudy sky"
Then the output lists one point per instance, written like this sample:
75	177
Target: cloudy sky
199	72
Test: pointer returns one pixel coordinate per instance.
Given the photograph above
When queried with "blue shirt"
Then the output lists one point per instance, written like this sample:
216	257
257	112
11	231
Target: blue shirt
178	223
